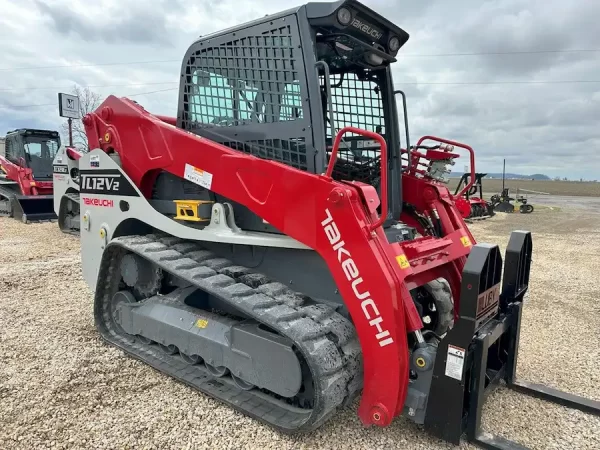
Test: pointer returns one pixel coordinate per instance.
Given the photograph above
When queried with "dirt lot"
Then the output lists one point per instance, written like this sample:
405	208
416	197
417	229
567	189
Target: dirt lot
62	387
574	188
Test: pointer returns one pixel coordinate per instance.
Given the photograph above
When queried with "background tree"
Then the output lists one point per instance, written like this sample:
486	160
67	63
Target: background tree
88	102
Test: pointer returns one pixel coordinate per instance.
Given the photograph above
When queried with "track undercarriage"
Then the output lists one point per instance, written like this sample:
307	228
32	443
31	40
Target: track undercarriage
274	354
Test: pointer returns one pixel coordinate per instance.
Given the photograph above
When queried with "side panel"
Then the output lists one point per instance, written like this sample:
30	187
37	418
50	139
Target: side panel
109	200
62	168
8	162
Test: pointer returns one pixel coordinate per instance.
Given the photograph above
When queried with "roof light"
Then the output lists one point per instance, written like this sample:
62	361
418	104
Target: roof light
394	44
344	16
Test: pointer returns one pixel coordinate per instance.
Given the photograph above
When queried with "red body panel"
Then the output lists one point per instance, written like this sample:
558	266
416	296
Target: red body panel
23	176
73	153
463	205
338	220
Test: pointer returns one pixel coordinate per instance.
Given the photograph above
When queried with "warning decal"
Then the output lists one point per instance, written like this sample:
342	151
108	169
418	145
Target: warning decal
402	261
455	362
198	176
201	323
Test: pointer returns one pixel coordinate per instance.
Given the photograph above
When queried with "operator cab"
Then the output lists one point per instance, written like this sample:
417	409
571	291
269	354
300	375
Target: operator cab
281	87
34	149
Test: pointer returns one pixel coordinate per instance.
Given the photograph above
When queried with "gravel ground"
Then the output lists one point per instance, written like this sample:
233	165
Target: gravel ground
62	387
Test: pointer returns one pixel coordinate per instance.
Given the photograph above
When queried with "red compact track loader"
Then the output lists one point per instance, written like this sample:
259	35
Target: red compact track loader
26	157
467	202
269	247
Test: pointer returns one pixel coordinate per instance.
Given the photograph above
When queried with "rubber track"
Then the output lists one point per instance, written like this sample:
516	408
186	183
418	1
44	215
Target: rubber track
6	195
327	340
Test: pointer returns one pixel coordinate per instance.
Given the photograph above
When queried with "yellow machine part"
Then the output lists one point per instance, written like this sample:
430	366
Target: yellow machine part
188	210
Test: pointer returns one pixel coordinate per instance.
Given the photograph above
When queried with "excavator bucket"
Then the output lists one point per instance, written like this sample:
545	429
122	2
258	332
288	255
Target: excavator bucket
34	208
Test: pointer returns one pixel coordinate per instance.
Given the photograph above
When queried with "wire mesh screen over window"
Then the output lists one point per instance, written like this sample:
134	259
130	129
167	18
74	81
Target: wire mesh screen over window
356	103
252	80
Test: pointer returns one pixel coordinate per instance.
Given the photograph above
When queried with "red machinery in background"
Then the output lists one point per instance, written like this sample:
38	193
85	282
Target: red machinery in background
470	205
433	161
26	187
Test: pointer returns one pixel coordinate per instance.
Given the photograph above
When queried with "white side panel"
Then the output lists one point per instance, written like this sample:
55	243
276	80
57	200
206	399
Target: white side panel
103	211
62	181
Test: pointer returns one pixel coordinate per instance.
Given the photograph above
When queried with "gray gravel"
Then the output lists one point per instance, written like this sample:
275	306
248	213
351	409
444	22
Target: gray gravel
61	387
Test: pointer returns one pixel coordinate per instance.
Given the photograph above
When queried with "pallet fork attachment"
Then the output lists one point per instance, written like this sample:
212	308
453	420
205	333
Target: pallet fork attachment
482	354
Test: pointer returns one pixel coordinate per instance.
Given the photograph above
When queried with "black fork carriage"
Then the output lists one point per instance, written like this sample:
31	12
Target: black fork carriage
476	356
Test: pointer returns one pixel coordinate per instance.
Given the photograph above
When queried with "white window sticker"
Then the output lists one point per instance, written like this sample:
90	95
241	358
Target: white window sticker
455	362
198	176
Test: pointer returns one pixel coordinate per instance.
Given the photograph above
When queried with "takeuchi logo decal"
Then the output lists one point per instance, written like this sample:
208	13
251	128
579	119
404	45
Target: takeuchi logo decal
102	202
367	29
352	273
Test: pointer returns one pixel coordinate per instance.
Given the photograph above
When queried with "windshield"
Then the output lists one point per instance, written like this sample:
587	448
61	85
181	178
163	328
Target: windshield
41	147
221	101
40	152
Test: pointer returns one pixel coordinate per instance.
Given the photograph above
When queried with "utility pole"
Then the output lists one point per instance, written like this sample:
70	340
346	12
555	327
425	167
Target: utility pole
70	132
503	173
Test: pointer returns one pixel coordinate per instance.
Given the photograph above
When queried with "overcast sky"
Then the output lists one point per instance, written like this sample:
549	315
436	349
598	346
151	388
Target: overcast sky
539	127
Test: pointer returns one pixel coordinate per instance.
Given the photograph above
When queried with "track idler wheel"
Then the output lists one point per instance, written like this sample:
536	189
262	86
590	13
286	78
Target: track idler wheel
141	275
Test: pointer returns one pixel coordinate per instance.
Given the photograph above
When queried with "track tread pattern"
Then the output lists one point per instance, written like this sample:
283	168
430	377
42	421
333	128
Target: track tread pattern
440	290
327	341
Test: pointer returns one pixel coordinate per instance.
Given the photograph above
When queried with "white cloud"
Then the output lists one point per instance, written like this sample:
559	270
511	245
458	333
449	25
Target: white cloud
547	128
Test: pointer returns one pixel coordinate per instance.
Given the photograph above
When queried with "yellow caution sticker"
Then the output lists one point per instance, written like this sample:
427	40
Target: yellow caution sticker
201	323
403	261
465	241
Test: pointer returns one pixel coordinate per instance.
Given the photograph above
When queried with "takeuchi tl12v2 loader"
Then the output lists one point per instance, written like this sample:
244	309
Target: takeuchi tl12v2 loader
274	247
26	174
